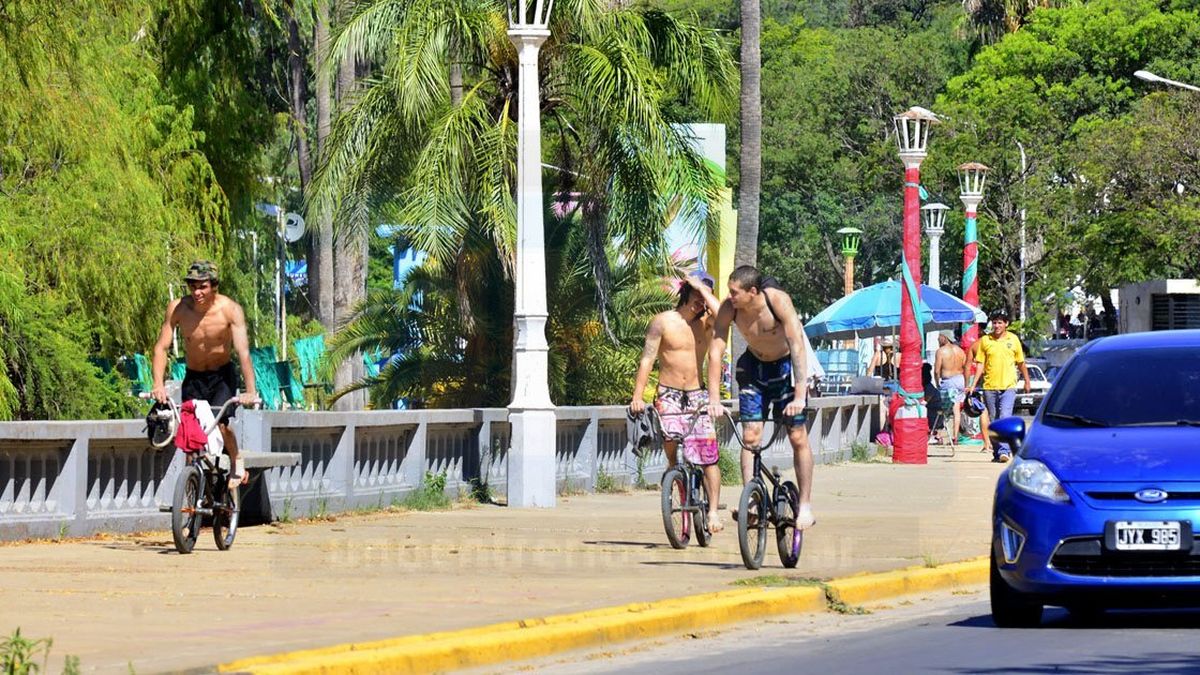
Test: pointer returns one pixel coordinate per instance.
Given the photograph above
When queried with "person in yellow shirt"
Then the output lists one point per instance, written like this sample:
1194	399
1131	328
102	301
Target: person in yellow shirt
997	356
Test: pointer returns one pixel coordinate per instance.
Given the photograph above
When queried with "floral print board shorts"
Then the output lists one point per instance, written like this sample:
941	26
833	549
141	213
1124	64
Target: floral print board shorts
700	444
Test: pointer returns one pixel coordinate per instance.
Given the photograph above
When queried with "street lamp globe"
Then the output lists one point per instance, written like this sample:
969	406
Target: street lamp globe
934	217
971	177
529	14
851	239
912	134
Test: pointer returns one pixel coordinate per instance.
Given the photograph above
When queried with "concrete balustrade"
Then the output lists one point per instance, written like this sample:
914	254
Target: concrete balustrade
79	478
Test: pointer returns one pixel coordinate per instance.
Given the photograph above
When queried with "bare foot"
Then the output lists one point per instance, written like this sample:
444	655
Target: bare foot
805	519
239	475
714	523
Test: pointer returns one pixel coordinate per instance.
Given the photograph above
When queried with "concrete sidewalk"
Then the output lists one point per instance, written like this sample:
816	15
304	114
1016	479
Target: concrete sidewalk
132	601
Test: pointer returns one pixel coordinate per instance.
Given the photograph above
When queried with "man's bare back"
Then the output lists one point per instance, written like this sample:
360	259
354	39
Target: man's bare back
951	360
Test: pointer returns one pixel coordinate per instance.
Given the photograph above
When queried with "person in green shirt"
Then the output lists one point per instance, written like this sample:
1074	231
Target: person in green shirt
997	356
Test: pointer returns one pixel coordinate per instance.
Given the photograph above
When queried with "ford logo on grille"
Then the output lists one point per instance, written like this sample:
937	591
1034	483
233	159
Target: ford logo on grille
1150	495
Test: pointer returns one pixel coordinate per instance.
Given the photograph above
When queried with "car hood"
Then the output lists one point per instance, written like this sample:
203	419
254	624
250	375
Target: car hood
1121	454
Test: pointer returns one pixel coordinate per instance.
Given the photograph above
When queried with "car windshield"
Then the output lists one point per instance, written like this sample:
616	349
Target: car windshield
1134	387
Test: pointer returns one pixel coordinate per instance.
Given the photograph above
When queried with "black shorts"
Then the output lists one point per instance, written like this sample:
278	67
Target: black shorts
215	386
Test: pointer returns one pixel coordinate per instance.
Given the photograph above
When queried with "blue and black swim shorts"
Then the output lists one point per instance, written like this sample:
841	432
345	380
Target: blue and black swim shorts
763	386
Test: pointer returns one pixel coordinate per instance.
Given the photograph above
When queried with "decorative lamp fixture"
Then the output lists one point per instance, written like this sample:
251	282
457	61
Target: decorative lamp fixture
912	133
934	217
971	177
851	238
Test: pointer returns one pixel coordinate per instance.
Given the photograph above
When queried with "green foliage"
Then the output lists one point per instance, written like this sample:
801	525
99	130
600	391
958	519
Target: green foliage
19	656
1104	159
102	195
863	452
730	464
828	98
431	496
606	483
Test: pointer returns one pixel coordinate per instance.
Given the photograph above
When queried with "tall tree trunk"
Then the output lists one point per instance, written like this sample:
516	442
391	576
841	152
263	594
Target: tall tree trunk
350	252
320	269
750	164
456	74
298	98
750	160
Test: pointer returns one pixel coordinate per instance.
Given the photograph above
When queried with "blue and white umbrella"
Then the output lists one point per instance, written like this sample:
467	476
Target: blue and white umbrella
875	310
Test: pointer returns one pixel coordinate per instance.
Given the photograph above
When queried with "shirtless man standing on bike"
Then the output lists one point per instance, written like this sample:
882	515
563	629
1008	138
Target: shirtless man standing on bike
210	324
776	354
679	339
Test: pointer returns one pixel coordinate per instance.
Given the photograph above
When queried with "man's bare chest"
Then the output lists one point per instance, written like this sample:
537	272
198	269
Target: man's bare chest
211	325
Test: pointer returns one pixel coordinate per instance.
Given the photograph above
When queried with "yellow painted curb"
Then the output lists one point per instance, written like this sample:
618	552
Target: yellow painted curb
871	587
531	638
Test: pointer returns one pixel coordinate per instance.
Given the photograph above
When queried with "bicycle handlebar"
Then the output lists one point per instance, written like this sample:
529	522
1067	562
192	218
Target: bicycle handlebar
216	416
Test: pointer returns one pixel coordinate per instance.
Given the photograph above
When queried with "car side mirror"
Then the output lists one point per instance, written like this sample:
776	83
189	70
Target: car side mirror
1007	429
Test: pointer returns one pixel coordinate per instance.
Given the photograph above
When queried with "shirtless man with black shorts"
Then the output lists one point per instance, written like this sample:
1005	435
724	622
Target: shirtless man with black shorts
210	324
776	354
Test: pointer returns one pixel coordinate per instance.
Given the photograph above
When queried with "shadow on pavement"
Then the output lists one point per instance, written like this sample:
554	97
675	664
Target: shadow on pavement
1164	664
637	544
1055	618
694	563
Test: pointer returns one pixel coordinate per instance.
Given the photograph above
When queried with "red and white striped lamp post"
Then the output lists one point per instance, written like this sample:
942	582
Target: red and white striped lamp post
911	426
971	177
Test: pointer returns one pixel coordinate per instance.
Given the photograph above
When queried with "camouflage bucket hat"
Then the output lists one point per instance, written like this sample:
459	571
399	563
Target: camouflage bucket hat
202	270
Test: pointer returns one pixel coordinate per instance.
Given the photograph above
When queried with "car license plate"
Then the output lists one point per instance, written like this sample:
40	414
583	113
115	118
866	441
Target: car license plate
1026	400
1146	535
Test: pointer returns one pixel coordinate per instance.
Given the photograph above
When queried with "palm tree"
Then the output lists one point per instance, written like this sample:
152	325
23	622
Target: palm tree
750	163
438	360
993	19
445	172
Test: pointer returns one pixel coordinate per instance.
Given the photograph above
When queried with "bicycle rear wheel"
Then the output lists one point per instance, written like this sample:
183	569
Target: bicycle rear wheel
185	521
677	520
788	539
753	513
699	501
225	517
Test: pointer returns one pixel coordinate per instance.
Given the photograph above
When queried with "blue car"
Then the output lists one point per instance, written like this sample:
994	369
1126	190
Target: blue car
1101	505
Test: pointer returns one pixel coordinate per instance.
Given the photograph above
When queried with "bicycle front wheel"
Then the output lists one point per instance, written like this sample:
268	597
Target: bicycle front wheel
225	518
677	520
185	521
753	514
788	539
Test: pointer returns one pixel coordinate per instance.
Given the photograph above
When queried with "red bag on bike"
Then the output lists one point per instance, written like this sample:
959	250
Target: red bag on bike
190	437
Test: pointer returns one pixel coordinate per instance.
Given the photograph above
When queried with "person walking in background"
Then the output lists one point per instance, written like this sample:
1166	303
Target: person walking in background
949	364
997	356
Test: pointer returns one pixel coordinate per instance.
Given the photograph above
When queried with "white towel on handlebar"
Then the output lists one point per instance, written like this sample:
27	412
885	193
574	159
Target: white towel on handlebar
204	415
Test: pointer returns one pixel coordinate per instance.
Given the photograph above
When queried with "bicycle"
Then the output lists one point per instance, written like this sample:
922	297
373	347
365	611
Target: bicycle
755	513
203	487
684	498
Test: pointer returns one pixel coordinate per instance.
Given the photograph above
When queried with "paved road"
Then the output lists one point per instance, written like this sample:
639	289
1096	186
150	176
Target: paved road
949	632
117	600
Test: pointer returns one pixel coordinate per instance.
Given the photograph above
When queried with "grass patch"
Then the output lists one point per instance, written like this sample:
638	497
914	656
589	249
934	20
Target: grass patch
778	580
19	655
832	601
930	561
606	483
863	452
730	465
431	496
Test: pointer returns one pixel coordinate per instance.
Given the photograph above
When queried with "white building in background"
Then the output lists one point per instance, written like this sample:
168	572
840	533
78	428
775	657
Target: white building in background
1160	304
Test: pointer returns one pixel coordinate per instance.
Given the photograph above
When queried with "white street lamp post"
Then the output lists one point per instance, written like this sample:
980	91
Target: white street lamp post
934	217
1151	77
1023	258
531	465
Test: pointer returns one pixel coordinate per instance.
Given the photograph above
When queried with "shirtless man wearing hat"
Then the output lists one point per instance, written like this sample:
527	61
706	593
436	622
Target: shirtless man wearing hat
212	326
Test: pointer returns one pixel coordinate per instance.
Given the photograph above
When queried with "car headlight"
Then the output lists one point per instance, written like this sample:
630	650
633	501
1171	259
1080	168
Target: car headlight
1034	478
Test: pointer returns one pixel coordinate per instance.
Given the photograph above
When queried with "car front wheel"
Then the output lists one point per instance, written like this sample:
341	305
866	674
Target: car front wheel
1010	608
